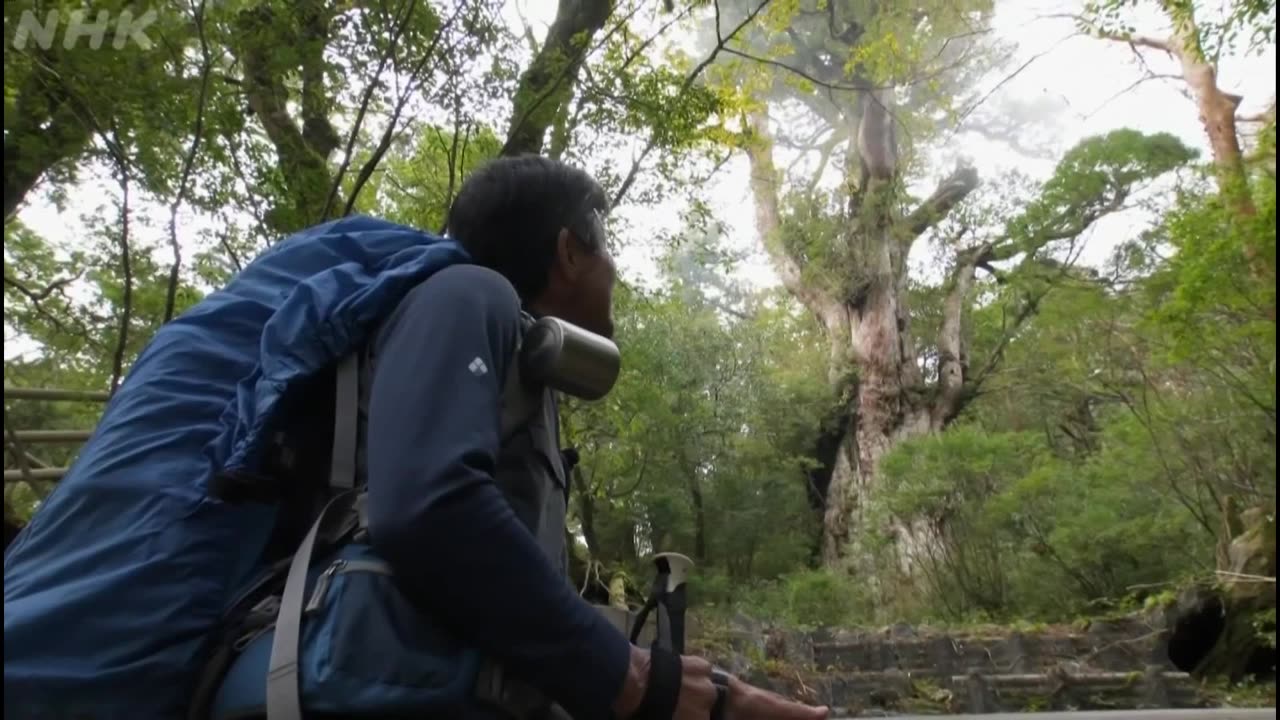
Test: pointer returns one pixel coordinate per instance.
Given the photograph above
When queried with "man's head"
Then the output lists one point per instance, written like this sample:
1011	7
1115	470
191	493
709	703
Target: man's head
539	222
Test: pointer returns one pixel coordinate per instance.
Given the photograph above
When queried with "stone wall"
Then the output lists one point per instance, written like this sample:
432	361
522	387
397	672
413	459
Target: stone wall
1106	664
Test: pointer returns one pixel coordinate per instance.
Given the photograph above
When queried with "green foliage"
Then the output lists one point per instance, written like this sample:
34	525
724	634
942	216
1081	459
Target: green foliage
807	599
811	232
1244	694
1094	177
1264	625
1128	409
419	186
1018	532
688	452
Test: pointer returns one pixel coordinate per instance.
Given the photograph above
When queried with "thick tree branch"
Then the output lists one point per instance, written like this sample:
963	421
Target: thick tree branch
953	357
954	189
766	188
47	125
302	151
553	72
956	386
317	130
1217	108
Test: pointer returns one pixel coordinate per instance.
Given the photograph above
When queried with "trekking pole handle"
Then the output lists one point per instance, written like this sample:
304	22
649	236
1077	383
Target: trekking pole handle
675	567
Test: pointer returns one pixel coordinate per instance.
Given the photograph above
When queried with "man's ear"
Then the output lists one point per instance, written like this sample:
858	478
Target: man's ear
568	255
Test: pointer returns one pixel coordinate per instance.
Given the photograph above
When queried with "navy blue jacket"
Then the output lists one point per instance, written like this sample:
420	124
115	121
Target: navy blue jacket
435	512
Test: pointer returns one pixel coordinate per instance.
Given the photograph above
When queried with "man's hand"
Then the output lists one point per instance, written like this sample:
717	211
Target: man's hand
698	695
747	702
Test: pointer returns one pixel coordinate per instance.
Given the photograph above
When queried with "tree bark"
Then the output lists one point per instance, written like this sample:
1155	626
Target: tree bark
1217	115
303	149
546	86
43	129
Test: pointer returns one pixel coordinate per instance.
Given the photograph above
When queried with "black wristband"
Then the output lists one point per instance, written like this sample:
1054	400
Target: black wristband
665	677
721	680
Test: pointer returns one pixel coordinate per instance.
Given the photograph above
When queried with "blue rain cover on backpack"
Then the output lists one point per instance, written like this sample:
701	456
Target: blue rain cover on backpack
112	592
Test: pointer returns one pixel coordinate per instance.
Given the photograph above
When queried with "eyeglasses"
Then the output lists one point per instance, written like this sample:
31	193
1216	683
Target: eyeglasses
590	227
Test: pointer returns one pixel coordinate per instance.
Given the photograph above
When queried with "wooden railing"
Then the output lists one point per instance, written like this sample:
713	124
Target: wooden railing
18	442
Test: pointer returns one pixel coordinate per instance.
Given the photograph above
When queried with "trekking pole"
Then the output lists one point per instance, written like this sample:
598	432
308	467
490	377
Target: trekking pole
669	592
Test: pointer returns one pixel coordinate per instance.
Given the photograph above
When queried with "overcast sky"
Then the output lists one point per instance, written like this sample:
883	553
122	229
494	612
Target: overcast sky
1083	86
1080	85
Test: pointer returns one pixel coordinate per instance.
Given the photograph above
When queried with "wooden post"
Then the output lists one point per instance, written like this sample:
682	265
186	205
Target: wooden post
1155	691
977	692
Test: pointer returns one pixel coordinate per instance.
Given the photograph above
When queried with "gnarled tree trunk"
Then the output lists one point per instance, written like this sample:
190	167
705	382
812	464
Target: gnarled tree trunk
873	355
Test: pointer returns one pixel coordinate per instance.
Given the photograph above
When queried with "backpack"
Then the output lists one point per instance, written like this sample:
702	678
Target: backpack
117	589
336	636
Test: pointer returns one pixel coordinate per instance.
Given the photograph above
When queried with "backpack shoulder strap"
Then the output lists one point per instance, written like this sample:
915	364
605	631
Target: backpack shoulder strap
346	423
284	701
519	402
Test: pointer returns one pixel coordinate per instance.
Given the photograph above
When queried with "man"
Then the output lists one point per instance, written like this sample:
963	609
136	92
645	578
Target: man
157	553
438	477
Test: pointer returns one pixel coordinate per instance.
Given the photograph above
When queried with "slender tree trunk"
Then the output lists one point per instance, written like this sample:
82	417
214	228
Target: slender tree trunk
1217	110
699	522
1217	115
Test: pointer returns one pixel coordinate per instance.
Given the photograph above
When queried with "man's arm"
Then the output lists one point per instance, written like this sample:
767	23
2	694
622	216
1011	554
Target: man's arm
435	512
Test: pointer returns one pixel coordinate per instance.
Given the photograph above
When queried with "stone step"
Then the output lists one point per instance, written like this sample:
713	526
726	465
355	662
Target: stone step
1016	653
857	693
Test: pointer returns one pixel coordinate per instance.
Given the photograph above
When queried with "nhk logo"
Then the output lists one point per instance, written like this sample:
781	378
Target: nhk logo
76	26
